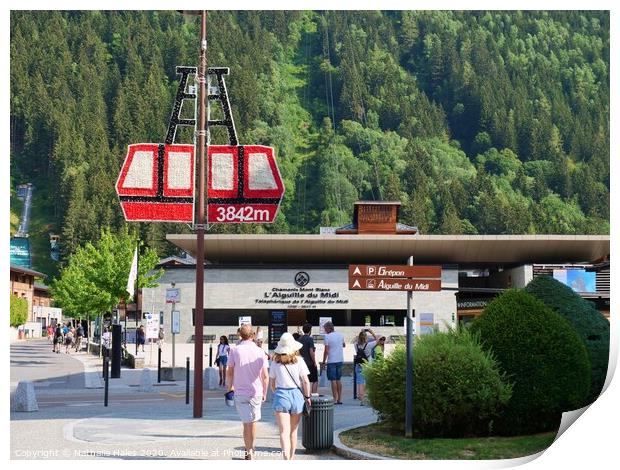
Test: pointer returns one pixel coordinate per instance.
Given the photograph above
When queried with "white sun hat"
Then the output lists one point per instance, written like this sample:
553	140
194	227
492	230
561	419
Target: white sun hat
287	344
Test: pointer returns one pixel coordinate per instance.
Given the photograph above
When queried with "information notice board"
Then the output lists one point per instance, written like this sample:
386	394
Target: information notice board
277	327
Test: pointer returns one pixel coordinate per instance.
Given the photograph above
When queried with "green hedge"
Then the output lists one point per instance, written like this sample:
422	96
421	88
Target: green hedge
458	388
543	357
591	326
19	311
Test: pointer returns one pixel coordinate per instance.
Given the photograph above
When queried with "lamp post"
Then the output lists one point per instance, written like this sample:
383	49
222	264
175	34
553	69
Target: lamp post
200	213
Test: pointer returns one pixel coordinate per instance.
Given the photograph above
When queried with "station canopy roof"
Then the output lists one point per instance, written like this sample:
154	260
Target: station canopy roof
395	249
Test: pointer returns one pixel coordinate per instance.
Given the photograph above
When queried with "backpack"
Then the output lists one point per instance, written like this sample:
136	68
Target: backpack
360	355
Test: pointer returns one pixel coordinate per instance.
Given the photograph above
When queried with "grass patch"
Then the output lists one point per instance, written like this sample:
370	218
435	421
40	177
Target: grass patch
380	439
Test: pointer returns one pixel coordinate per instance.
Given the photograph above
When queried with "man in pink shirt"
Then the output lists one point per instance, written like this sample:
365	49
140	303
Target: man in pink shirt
248	376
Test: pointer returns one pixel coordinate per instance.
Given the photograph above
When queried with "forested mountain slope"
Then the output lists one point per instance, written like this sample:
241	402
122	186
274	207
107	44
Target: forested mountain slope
479	122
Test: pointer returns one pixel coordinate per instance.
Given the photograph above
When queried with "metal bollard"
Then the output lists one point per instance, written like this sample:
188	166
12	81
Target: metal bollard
159	365
187	381
210	355
354	382
106	379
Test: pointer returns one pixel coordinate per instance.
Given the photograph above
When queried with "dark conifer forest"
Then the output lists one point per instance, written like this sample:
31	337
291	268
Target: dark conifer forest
478	122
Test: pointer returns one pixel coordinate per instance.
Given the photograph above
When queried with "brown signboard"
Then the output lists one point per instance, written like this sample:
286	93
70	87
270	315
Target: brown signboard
387	283
386	271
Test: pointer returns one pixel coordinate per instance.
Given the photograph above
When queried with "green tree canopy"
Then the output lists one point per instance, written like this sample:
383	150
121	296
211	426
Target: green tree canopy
95	278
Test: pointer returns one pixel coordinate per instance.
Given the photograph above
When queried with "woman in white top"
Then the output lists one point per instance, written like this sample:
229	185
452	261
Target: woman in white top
221	358
289	383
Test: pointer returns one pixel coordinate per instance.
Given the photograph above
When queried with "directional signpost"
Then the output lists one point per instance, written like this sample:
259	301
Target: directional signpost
394	271
387	283
391	277
399	278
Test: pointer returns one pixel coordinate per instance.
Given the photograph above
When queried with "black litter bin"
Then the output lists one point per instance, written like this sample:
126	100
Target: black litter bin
318	428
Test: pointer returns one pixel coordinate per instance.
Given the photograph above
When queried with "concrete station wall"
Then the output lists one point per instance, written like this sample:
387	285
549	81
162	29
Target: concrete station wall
256	288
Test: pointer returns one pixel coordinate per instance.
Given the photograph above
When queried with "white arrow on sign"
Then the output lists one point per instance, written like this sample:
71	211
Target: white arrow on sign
357	284
357	270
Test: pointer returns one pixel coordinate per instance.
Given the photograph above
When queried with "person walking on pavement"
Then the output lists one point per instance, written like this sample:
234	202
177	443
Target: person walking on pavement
333	357
307	351
160	338
140	337
58	339
247	376
68	341
106	338
363	354
50	333
221	358
79	334
258	336
259	343
379	348
289	383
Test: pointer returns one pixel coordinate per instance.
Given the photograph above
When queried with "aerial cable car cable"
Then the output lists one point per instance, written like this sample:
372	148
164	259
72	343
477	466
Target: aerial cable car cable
335	165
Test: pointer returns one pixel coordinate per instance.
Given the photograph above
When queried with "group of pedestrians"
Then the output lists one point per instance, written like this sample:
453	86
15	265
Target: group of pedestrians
292	374
65	335
249	374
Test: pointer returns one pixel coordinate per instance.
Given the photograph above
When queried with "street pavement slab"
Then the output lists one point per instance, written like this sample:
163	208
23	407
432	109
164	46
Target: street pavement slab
73	423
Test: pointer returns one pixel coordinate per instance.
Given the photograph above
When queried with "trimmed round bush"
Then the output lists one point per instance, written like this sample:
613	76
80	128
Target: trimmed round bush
458	388
591	326
543	357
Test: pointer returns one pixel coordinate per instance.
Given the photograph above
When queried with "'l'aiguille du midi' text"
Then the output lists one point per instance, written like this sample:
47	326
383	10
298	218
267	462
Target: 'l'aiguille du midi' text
302	296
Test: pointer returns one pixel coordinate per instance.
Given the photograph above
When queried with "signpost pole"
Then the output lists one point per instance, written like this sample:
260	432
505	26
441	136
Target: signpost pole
136	301
173	334
200	213
409	381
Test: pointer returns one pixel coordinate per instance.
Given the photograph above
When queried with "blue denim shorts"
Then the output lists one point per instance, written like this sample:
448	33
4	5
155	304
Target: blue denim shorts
359	375
288	400
334	370
223	360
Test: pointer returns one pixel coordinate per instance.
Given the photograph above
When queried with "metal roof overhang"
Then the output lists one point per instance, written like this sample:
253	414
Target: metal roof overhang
27	271
446	249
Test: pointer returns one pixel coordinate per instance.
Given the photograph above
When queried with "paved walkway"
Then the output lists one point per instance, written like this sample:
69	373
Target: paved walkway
34	360
73	423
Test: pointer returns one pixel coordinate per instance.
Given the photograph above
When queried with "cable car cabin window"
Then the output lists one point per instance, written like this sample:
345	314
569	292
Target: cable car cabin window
223	172
261	176
140	173
178	176
223	165
178	171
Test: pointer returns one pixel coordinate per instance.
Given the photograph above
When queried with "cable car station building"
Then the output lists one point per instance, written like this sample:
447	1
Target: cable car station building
306	276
